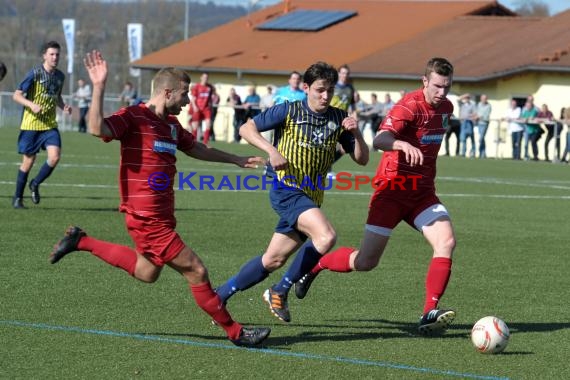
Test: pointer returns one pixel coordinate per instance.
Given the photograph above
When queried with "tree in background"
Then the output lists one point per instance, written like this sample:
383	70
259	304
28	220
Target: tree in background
27	24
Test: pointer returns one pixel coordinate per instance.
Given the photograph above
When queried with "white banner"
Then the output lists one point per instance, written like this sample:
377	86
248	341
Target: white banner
135	36
69	32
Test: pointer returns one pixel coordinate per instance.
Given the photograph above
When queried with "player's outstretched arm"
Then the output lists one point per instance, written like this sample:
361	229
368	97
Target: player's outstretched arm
250	133
97	69
386	141
200	151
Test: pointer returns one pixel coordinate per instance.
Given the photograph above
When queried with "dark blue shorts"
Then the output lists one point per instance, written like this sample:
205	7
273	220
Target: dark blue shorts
289	203
30	142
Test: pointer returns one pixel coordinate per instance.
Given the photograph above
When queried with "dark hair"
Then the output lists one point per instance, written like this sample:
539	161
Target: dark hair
3	70
50	45
320	70
344	66
439	66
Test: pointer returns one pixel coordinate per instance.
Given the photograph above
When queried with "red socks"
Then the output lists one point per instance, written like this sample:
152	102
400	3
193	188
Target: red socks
211	303
125	258
437	278
335	261
117	255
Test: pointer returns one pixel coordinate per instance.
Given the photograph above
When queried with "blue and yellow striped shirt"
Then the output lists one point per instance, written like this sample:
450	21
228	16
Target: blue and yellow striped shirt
44	89
308	141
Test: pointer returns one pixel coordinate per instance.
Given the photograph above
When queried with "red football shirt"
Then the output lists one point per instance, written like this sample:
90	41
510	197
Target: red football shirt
148	159
413	120
202	95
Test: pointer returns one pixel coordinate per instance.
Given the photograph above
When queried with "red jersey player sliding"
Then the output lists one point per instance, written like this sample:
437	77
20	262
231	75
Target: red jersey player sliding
150	136
410	137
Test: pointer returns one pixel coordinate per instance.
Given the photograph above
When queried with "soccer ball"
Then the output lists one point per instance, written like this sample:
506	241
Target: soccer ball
490	335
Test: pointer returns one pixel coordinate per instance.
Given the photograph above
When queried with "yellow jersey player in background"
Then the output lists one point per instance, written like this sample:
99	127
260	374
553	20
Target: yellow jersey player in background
40	94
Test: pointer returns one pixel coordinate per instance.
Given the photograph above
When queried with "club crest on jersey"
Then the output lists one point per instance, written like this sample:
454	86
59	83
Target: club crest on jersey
332	126
445	120
318	137
173	131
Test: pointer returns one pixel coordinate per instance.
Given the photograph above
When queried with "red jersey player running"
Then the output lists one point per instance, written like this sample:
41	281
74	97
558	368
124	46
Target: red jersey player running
410	137
150	136
201	108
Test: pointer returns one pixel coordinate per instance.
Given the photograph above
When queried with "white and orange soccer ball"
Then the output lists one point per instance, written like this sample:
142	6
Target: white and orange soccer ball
490	335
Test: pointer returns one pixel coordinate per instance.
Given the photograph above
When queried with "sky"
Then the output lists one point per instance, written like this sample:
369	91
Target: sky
555	6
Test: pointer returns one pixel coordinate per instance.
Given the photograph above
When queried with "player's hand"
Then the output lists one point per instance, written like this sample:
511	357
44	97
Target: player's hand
251	162
350	124
277	161
96	67
67	109
35	108
414	156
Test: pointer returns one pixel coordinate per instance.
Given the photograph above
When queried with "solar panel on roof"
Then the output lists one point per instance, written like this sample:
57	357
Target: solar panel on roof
306	20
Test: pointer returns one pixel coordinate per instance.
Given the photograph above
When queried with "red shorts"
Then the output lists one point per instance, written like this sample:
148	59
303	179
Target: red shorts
388	208
202	114
156	240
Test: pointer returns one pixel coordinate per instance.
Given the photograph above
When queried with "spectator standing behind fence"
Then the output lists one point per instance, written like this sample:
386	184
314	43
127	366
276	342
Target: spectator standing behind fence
553	127
467	112
3	70
128	96
267	101
292	91
360	106
215	98
234	101
454	125
387	105
526	137
565	119
372	115
483	117
251	103
515	128
344	99
532	128
40	94
83	97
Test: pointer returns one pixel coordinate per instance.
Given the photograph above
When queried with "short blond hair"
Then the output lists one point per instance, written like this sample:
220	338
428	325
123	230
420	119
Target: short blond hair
169	77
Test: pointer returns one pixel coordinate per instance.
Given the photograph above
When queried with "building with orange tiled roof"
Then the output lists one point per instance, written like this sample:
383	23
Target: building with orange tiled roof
386	44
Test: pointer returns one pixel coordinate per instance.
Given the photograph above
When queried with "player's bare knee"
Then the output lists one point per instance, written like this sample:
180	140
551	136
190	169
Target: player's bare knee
445	247
53	161
325	241
275	262
148	276
200	272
